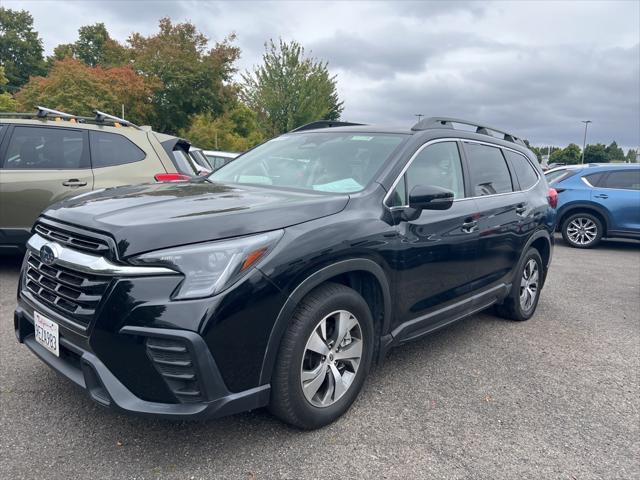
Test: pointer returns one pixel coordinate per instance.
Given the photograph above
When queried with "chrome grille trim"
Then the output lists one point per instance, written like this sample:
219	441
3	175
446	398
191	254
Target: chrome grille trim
71	239
92	264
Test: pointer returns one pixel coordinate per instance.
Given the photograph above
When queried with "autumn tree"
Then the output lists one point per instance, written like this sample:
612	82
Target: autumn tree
290	89
76	88
20	48
194	78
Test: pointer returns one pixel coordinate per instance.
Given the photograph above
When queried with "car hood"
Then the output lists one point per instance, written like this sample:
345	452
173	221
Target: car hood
141	218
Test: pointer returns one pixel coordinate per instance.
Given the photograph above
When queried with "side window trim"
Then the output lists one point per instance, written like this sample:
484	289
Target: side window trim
5	136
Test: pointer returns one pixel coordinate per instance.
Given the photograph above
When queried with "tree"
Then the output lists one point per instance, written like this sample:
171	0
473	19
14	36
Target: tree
95	47
632	156
7	103
569	155
614	153
20	48
194	79
237	130
289	89
74	87
596	154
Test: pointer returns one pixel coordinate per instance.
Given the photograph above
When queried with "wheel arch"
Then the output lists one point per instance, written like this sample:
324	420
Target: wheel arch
583	207
542	241
364	275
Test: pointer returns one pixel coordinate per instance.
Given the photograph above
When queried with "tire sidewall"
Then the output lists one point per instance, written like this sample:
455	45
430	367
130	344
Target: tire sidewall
589	216
305	411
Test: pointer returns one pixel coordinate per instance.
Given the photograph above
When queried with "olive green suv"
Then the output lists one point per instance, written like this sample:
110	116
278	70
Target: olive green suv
50	155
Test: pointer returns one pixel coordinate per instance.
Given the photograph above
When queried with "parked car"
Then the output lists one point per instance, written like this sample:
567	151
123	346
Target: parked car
218	159
279	279
597	201
50	155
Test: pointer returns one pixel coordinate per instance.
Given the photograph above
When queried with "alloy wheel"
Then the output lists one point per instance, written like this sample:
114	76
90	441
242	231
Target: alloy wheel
582	231
331	358
529	285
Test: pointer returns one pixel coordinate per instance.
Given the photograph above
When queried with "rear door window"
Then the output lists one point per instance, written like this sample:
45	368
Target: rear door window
488	170
526	173
595	179
109	149
46	148
623	180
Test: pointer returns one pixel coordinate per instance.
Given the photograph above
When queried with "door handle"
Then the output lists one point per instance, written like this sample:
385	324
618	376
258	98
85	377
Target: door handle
601	195
74	182
521	208
470	225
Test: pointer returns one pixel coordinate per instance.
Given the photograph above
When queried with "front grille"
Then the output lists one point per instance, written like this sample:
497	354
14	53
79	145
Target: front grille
73	294
71	239
173	361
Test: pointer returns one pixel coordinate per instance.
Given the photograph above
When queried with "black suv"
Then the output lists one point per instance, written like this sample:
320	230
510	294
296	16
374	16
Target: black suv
279	279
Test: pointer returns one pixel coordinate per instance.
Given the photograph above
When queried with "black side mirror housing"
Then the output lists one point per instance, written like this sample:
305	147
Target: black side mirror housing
430	197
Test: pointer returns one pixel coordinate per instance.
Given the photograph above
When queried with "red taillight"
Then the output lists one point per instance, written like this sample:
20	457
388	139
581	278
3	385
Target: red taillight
553	197
171	177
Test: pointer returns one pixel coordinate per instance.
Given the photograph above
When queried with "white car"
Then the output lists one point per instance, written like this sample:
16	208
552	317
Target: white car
218	159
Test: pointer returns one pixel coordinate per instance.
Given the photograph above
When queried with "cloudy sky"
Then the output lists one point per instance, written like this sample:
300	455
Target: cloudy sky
536	68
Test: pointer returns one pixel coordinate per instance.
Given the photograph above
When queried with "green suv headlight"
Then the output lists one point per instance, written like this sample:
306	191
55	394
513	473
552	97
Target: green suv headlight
209	268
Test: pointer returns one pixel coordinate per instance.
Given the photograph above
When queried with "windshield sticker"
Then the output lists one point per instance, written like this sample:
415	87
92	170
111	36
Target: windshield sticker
346	185
361	138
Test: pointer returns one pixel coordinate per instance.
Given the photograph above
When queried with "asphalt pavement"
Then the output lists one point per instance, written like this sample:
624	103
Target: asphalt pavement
557	396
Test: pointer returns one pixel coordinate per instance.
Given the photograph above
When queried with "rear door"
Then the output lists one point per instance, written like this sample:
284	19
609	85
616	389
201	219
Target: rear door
619	193
501	208
41	165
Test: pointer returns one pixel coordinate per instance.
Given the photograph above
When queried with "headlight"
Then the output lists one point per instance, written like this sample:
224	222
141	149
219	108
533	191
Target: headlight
211	267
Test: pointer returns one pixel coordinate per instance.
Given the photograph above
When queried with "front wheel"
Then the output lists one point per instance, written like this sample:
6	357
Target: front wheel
324	357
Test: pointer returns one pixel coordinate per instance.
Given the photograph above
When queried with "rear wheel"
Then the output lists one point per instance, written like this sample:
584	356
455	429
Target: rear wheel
324	357
582	230
522	301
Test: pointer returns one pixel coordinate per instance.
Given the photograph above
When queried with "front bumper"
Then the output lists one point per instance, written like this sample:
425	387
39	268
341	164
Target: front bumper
83	368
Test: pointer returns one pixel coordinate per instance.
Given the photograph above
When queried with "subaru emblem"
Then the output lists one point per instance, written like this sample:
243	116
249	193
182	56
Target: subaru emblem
48	254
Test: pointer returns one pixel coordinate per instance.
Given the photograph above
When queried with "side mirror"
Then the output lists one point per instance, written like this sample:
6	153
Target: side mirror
430	197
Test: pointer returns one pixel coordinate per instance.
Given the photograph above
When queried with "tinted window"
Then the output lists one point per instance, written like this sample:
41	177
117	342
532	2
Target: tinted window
595	179
489	171
438	164
46	148
182	162
626	180
108	149
526	173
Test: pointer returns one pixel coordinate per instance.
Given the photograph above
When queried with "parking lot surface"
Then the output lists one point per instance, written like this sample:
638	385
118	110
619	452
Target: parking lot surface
554	397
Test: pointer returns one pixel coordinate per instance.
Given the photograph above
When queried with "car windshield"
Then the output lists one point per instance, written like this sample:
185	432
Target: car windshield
322	161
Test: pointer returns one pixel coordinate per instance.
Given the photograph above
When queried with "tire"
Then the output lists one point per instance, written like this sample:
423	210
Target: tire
512	308
582	230
298	355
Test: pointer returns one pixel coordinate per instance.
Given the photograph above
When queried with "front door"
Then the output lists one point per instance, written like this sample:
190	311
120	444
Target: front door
619	194
40	165
436	252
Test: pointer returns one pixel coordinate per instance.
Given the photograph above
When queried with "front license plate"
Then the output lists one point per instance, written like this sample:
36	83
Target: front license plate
46	333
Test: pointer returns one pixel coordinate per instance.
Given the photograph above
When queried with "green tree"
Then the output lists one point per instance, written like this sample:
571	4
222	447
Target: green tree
632	156
20	48
95	47
194	79
569	155
7	103
236	130
614	153
596	154
290	89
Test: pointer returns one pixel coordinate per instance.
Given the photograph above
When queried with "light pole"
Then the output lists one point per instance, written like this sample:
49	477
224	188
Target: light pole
584	141
419	115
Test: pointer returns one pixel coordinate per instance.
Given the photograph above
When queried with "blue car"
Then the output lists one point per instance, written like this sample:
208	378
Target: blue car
596	201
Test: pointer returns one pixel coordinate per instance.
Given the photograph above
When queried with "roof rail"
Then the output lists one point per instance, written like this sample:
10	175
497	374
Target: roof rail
445	122
101	117
324	124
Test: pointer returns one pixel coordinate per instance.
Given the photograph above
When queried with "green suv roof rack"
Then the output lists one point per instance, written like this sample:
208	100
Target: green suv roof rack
445	122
